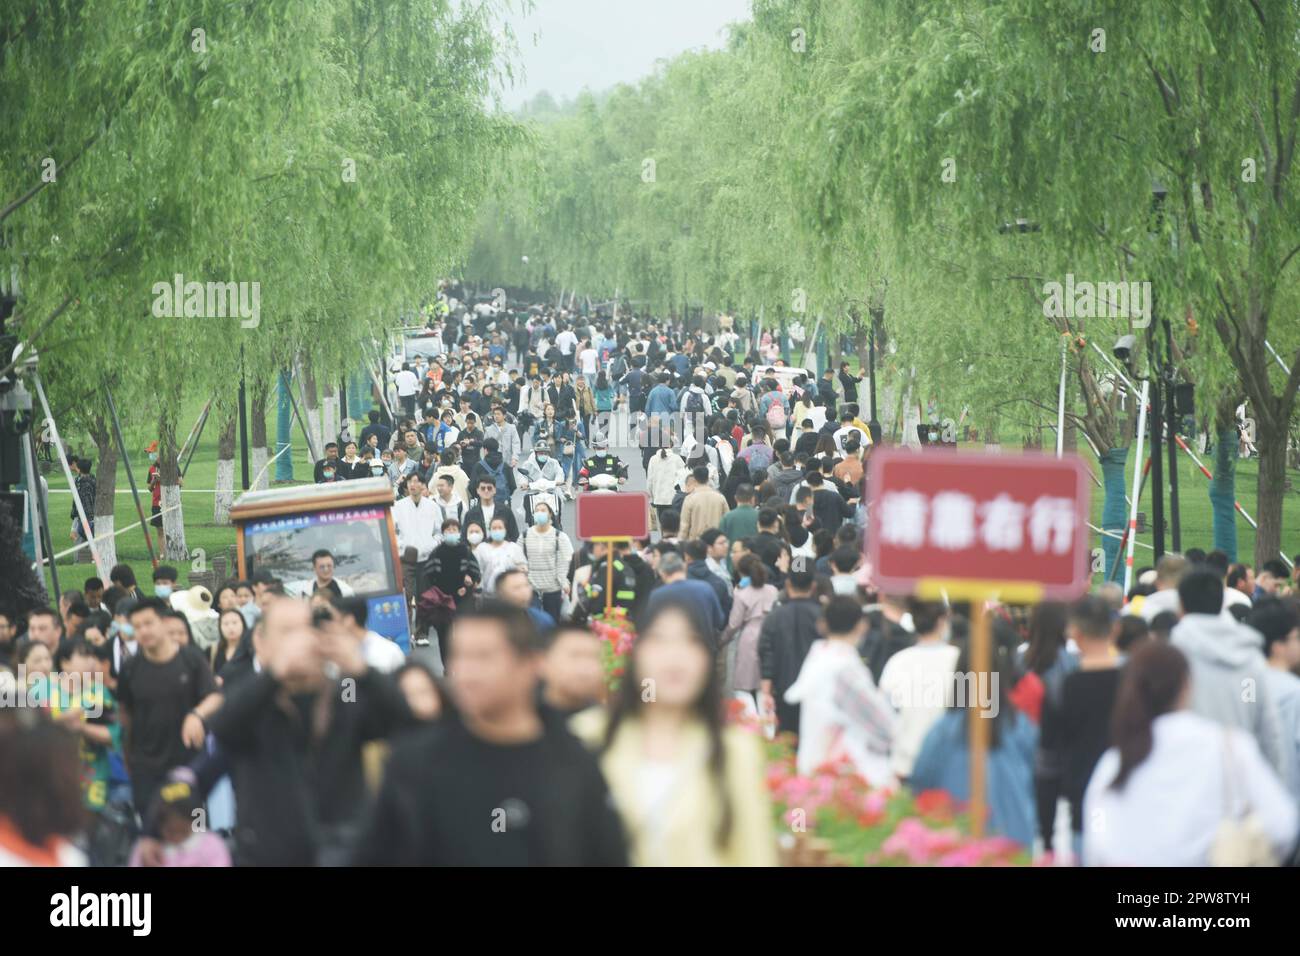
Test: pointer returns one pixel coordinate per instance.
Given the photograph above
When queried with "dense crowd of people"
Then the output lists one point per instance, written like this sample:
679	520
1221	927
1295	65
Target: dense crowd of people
291	733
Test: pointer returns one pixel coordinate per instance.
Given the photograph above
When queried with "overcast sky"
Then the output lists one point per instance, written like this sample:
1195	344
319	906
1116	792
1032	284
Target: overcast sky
568	45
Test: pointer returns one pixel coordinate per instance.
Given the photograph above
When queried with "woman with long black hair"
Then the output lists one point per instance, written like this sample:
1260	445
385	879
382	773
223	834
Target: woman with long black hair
690	790
944	760
233	633
1177	789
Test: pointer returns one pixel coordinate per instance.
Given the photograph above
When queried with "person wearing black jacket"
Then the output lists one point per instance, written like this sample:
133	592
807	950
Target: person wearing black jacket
501	783
697	569
451	566
486	507
848	383
633	381
783	643
828	505
885	637
382	432
294	739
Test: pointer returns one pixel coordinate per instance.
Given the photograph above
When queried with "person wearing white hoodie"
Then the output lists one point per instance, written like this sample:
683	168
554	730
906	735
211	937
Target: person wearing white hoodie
1230	682
665	474
842	713
1161	794
1279	622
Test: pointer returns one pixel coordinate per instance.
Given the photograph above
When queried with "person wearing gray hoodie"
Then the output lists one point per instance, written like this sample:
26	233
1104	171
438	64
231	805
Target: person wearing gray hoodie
1230	682
786	477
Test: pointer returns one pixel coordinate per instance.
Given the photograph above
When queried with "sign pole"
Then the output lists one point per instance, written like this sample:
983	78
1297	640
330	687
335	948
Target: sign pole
981	659
609	543
609	579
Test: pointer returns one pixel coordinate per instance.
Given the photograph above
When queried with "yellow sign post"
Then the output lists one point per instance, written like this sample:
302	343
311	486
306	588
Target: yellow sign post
979	593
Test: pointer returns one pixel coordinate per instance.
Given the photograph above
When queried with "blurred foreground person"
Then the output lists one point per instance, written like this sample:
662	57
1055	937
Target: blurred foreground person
690	790
943	762
1179	789
172	817
498	783
843	714
41	808
1226	658
573	678
294	733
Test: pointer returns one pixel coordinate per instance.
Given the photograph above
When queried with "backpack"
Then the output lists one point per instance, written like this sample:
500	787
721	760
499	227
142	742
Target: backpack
695	402
776	414
498	476
718	470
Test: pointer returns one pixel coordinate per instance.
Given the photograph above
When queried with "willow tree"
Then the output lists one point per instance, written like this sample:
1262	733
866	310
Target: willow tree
1066	115
314	151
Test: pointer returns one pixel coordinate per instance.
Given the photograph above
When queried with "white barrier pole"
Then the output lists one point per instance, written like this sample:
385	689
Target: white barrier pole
1137	488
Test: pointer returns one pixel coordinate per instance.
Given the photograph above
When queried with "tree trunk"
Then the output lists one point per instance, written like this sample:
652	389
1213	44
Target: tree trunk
330	419
1223	487
1272	490
992	442
1114	509
105	491
225	490
311	408
173	546
257	420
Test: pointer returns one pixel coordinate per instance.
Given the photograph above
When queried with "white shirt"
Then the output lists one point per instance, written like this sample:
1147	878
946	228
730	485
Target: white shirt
835	694
1173	802
589	359
417	525
1232	596
918	683
1159	602
565	341
453	507
381	653
843	433
495	558
406	382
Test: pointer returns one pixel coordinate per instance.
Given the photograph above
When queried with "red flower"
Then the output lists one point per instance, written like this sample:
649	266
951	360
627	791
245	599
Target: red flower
934	803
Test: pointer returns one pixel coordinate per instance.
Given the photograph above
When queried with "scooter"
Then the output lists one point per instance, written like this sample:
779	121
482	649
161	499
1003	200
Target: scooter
544	490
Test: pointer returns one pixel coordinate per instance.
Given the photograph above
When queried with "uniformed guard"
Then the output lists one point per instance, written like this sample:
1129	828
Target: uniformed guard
601	462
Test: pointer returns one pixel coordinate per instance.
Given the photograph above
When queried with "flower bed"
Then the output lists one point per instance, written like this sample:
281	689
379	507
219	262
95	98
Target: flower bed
835	818
616	634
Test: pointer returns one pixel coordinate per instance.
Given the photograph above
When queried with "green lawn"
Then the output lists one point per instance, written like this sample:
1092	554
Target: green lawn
203	538
202	535
1194	506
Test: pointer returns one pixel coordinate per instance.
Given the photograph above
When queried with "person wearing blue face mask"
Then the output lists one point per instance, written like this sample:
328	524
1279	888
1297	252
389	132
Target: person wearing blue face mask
164	581
548	551
450	578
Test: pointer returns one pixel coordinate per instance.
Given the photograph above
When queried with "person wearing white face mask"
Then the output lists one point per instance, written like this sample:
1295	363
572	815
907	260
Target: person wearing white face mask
548	552
496	554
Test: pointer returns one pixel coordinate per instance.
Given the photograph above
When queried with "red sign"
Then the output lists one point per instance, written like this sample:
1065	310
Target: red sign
968	517
613	514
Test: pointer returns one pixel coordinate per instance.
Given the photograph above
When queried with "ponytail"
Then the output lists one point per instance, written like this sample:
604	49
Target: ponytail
1153	683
